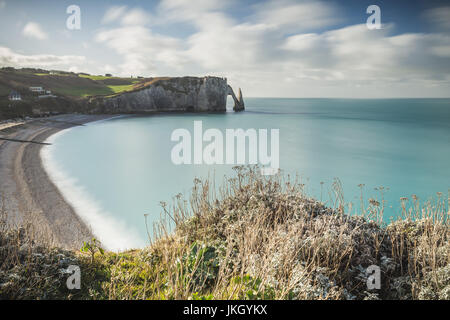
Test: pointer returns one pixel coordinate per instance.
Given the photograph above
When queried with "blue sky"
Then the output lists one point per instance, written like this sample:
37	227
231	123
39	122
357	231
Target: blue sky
278	48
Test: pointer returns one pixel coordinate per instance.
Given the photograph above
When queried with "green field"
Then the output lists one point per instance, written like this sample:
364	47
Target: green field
83	91
96	78
88	91
64	84
122	88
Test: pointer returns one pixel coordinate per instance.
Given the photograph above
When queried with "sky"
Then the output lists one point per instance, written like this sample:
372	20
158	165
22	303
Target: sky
271	48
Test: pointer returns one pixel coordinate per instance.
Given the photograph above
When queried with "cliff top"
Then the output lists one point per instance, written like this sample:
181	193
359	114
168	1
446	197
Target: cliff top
73	85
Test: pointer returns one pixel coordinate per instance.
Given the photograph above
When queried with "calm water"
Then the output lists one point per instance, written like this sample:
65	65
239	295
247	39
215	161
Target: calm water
116	171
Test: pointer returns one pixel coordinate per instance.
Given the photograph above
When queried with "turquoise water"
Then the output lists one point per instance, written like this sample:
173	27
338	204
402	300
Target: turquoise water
116	171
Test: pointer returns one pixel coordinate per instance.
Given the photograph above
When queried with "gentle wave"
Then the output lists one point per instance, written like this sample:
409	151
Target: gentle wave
113	233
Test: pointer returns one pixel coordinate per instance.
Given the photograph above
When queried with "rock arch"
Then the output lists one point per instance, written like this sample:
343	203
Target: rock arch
238	101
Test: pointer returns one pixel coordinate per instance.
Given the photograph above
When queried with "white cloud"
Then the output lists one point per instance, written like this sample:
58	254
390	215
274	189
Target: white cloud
301	42
185	10
279	52
126	16
143	51
439	17
34	30
294	16
10	58
441	51
136	17
113	13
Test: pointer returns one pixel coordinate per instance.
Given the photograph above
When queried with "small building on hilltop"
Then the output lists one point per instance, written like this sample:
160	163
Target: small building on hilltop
43	96
14	96
37	89
42	92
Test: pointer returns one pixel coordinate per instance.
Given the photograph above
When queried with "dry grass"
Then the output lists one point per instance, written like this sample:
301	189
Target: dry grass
264	238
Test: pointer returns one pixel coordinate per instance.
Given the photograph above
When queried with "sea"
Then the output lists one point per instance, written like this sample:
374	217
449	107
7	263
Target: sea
115	173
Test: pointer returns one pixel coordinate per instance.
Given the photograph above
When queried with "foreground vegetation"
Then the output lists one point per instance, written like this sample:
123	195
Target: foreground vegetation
257	238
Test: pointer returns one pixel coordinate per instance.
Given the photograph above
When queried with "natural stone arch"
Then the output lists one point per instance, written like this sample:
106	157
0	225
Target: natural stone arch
238	101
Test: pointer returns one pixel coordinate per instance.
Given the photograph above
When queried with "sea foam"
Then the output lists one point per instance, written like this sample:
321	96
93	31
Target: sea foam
113	233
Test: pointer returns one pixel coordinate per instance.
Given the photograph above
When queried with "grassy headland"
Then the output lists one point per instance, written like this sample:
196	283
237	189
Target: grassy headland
71	90
259	238
76	85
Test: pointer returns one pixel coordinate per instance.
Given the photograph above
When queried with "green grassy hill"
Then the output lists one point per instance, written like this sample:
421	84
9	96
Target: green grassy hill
62	83
72	90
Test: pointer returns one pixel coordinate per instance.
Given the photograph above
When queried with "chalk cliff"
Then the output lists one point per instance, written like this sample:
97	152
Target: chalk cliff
169	94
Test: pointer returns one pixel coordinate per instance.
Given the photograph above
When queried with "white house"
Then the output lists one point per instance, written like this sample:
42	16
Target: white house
46	96
37	89
14	96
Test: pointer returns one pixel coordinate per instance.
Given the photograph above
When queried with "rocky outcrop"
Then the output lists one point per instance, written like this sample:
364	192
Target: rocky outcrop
184	94
239	101
240	106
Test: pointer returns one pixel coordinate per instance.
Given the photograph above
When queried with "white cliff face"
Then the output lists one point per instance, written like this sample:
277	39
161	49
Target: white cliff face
173	94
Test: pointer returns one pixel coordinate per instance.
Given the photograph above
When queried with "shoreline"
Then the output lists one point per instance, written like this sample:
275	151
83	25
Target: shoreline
27	193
